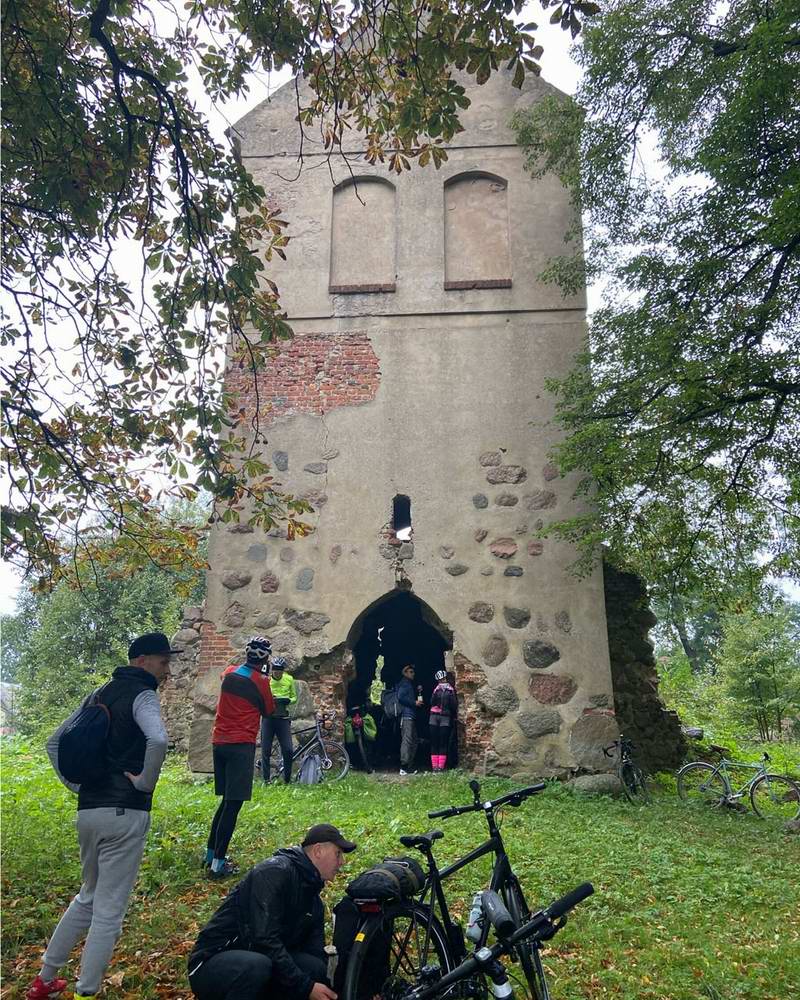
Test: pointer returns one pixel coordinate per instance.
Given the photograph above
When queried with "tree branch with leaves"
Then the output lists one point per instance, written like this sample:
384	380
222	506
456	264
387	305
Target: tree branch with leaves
130	269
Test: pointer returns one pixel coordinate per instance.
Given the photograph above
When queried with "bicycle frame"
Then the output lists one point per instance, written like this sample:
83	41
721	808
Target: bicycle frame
502	876
318	740
721	770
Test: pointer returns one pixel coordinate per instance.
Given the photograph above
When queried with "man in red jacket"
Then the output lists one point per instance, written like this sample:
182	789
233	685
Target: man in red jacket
244	699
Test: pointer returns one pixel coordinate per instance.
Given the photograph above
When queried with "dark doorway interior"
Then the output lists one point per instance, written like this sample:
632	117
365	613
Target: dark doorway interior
402	629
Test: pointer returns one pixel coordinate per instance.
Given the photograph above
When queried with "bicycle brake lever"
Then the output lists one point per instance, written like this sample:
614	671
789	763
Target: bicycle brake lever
553	929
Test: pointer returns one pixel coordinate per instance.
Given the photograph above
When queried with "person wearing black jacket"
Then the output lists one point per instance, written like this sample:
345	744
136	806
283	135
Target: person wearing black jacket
267	937
113	816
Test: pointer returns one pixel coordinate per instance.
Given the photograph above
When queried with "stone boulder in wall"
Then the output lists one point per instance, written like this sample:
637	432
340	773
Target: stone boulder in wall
304	707
593	731
204	696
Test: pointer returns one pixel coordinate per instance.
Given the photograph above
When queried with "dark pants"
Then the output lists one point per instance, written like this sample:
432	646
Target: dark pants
222	826
247	975
439	728
408	742
282	728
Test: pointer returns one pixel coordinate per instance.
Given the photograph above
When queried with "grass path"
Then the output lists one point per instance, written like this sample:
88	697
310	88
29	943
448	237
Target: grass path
688	906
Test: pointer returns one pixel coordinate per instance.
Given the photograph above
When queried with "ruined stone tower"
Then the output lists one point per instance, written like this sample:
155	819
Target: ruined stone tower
410	408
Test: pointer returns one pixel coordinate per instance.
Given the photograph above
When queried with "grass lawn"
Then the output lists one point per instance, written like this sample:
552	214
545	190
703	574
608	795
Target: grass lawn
688	906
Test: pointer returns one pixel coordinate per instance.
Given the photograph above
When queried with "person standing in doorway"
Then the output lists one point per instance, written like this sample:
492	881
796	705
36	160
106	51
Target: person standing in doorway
113	817
244	699
284	691
407	697
444	712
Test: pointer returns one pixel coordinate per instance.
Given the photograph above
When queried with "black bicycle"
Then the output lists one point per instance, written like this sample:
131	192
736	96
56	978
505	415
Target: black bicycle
399	940
630	775
467	978
333	758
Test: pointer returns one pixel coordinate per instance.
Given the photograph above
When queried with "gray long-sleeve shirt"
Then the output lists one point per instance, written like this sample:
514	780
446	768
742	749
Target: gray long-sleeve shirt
147	716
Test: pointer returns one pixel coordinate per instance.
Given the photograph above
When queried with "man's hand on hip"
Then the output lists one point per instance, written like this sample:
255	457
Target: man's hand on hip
319	991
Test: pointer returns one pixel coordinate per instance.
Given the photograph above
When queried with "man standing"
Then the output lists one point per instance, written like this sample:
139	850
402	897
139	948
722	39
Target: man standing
408	720
113	816
267	937
244	699
284	691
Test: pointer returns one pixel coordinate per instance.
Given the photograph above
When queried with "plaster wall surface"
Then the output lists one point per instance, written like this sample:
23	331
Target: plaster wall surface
438	394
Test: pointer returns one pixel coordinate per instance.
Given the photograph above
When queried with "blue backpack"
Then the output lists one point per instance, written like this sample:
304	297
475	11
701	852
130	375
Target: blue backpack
82	747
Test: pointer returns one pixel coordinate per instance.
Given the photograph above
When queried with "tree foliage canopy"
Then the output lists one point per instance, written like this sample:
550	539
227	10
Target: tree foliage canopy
684	410
60	645
129	234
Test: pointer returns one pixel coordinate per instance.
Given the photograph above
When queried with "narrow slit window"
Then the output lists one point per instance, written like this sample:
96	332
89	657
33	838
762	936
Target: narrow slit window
401	517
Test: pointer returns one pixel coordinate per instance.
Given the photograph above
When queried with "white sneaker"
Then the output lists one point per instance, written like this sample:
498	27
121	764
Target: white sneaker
403	774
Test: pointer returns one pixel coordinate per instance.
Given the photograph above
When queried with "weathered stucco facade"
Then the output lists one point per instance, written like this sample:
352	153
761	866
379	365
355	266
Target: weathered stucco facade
423	338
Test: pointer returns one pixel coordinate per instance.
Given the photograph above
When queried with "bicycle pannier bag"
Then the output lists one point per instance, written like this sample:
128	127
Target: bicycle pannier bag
310	770
395	878
82	745
390	703
370	728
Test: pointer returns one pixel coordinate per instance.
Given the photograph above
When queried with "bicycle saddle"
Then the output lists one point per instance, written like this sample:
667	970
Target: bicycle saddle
422	841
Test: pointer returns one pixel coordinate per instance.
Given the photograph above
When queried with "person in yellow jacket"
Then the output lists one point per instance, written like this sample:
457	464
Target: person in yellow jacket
284	691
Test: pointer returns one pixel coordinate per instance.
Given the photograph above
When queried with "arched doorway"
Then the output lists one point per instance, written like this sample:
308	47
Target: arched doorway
394	630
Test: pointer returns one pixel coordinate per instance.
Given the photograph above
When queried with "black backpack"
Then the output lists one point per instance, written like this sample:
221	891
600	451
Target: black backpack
394	878
82	747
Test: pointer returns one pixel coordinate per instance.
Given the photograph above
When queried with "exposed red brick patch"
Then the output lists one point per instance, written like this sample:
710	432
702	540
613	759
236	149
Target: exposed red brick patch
311	373
552	689
475	726
215	650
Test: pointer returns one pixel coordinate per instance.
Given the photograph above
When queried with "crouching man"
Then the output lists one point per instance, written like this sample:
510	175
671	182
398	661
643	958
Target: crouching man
267	938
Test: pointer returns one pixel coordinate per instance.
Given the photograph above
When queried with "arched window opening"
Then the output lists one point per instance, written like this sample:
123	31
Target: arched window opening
476	242
401	517
363	237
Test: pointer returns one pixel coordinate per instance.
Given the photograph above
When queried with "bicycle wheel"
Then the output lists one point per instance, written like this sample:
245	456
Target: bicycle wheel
390	951
700	783
362	752
334	762
526	952
634	783
775	797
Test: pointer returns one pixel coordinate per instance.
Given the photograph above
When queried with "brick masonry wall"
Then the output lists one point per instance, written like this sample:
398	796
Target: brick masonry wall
312	373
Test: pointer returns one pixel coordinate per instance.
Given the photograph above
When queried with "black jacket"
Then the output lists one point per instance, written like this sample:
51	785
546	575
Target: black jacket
275	909
126	744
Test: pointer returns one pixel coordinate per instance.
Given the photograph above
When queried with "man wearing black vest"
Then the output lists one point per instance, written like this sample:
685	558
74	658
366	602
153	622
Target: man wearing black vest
113	817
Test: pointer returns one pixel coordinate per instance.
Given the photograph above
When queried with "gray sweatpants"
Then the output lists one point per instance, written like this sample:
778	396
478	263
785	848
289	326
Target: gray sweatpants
408	743
112	843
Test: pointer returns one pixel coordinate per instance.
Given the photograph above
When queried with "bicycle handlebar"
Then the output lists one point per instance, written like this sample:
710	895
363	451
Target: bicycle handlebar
539	926
514	799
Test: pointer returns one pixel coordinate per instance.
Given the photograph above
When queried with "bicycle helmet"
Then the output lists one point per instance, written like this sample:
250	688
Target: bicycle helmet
278	663
440	676
258	649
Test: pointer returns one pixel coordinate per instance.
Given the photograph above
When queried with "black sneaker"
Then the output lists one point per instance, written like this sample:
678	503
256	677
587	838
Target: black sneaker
229	868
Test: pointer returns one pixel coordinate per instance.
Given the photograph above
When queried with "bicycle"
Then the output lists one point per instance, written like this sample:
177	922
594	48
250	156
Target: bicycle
631	776
772	796
424	936
334	759
484	962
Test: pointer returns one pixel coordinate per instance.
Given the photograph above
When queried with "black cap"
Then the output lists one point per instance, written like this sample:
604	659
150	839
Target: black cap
326	833
150	644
